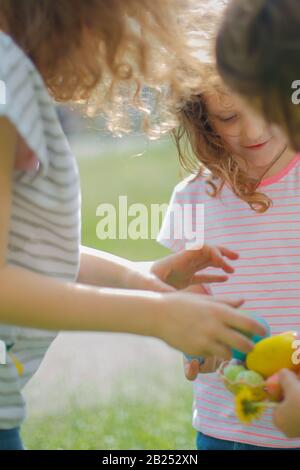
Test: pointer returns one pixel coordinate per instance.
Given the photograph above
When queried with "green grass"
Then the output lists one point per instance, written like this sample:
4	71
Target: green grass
139	420
147	179
153	413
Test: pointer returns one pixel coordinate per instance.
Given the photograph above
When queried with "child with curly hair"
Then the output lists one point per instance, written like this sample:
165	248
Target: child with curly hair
248	179
258	49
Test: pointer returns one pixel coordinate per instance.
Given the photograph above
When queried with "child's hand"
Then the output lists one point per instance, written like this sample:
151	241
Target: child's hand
287	413
193	368
180	270
205	326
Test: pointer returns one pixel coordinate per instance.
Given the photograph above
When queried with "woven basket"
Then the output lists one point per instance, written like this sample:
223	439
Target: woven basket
259	392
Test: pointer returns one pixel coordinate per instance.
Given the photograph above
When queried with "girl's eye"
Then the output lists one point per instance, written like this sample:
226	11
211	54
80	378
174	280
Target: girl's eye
229	118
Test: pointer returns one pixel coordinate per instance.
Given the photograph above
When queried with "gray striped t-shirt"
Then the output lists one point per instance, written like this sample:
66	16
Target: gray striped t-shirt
44	233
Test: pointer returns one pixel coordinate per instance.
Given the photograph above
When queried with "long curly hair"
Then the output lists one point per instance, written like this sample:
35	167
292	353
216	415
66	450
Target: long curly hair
100	53
200	148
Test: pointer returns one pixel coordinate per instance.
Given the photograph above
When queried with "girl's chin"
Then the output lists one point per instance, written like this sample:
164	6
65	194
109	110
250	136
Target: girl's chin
260	162
261	157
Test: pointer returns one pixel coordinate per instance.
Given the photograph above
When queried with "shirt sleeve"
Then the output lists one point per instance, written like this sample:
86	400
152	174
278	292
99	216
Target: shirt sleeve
22	97
171	233
183	225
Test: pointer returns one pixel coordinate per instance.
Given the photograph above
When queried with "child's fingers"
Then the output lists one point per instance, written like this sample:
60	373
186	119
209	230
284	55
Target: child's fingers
235	340
209	278
288	380
221	350
191	369
233	255
235	303
218	260
240	322
211	365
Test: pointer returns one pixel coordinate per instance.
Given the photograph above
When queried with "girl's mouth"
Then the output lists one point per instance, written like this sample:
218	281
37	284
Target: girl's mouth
257	146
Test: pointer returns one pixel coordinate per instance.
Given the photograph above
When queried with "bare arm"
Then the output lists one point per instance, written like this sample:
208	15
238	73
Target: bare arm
33	300
176	271
187	322
98	268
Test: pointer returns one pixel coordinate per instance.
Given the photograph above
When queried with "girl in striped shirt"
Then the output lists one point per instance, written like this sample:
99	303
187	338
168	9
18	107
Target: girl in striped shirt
85	52
248	179
259	58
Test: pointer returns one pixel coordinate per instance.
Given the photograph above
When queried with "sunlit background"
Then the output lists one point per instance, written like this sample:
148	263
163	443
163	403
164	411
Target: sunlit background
113	391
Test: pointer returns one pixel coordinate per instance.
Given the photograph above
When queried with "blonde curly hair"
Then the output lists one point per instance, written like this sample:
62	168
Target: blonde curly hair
199	147
100	53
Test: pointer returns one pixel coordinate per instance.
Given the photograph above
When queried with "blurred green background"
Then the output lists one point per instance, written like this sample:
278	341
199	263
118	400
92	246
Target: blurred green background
145	171
149	405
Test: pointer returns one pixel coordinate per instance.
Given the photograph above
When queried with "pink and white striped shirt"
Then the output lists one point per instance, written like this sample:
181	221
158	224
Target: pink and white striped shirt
267	275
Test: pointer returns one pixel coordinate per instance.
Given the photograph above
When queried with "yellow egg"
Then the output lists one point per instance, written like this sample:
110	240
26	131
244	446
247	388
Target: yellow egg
273	354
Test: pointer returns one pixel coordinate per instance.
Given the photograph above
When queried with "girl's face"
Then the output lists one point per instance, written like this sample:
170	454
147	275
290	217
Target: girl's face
246	135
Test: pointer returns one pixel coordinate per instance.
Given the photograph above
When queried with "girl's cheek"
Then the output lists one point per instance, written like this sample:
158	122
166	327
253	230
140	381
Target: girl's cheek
232	143
276	132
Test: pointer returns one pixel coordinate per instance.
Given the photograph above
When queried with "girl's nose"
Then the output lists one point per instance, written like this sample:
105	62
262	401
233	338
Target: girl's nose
254	129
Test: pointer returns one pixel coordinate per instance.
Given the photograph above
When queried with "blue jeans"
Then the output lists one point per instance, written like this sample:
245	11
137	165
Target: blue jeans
205	442
11	440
